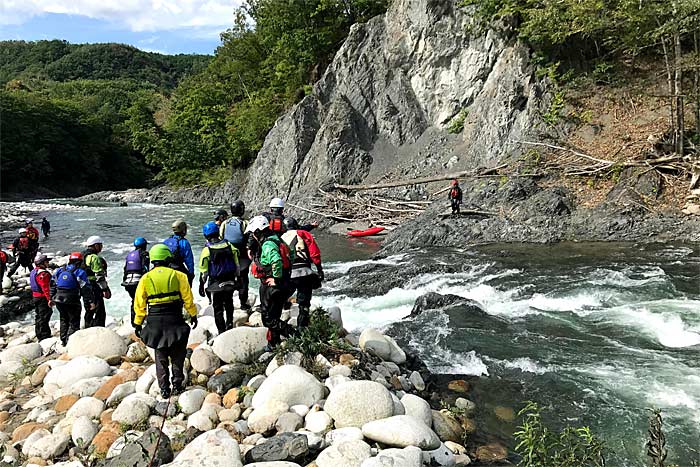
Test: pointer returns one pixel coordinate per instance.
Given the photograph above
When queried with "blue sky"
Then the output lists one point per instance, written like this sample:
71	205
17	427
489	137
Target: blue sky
165	26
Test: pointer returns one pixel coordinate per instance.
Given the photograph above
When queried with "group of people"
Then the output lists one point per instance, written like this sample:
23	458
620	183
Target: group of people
272	247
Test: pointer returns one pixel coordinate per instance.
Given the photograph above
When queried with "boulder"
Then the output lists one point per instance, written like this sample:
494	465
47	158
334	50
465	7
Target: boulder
285	446
384	347
240	345
86	407
83	431
417	408
214	448
23	353
137	352
204	360
350	453
290	384
132	411
401	431
192	400
358	402
77	369
120	392
45	445
223	382
318	421
97	341
264	417
409	456
446	427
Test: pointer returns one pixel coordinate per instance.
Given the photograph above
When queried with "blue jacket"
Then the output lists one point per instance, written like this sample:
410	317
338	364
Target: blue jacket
186	252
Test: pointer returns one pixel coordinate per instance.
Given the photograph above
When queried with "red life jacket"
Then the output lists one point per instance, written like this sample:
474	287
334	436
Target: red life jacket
24	243
3	257
277	225
454	193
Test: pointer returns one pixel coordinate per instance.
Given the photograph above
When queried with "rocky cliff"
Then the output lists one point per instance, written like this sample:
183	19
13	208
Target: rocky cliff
388	97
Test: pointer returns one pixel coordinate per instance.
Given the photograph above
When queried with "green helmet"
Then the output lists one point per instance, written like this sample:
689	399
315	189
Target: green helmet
159	252
180	227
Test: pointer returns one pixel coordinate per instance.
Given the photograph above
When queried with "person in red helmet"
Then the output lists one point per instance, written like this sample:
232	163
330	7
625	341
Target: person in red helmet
455	196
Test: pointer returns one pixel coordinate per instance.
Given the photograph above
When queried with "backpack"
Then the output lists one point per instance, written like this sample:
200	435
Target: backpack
65	279
173	244
134	262
286	252
233	233
277	224
222	263
3	257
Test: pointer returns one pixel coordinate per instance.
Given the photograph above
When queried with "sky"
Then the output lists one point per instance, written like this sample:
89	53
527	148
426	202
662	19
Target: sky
164	26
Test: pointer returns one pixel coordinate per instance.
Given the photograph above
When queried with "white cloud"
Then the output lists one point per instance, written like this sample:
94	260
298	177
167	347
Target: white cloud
211	16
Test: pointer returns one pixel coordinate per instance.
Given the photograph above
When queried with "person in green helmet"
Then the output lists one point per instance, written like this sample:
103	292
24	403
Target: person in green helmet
160	296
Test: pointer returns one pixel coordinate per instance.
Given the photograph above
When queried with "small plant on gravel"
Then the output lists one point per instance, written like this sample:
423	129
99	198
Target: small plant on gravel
321	335
27	369
538	445
456	126
453	410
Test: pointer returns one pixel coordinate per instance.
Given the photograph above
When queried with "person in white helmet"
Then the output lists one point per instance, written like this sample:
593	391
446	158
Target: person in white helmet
22	247
277	225
96	268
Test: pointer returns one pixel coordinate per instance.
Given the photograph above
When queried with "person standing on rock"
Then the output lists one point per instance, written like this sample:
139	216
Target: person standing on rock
303	279
181	250
33	236
455	196
69	284
160	296
277	214
272	265
136	265
218	264
95	267
233	230
45	227
3	266
40	283
22	249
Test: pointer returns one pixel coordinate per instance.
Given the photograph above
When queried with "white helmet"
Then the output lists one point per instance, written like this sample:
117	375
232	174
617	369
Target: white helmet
28	220
94	240
21	231
277	203
257	223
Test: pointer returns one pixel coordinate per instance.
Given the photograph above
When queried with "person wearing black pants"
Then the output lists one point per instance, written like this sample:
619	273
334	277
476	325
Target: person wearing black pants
69	284
40	282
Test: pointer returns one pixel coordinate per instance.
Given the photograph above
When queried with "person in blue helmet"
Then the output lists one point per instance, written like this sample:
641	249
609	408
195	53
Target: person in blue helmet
136	265
219	267
182	258
68	285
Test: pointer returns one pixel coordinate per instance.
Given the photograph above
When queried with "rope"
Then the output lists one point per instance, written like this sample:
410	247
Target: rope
160	432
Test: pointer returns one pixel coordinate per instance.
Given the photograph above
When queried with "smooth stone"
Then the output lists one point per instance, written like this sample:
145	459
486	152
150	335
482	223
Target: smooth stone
340	370
343	434
46	445
120	392
201	421
97	341
417	381
401	431
240	345
334	381
446	427
418	408
299	409
230	415
255	382
350	453
132	411
89	386
223	382
318	422
289	422
357	402
191	401
213	448
204	360
410	456
23	353
290	384
86	407
83	431
263	418
77	369
399	409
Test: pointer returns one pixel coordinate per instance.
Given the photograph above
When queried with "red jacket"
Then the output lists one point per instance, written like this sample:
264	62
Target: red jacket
32	233
310	241
40	280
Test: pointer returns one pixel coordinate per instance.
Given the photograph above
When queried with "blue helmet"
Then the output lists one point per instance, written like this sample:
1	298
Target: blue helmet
139	242
209	229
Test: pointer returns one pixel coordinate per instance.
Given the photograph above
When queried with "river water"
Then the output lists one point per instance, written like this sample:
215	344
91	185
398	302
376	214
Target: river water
596	333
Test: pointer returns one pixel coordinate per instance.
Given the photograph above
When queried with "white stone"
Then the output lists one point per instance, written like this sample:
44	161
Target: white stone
384	347
120	392
201	421
316	442
358	402
255	382
192	400
409	456
46	416
83	431
401	431
349	453
23	353
255	319
75	370
264	417
146	380
290	384
46	445
273	464
334	381
240	345
204	360
417	381
205	330
442	456
86	407
97	341
137	352
88	386
293	358
214	448
10	368
341	370
318	422
299	409
417	408
132	411
344	434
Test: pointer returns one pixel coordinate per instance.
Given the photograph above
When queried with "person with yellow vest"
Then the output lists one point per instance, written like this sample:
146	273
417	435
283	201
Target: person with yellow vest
160	296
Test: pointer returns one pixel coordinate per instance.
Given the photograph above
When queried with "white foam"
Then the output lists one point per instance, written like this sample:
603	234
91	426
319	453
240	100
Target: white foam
526	365
669	329
624	278
344	267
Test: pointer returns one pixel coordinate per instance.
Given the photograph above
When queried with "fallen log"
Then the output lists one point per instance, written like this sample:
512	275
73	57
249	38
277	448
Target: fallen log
318	213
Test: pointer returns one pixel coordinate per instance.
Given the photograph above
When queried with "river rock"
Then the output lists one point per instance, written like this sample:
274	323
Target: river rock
86	407
417	408
409	456
214	448
417	381
133	410
290	384
264	417
137	352
201	421
39	374
120	392
285	446
357	402
292	358
343	434
45	445
83	431
240	345
23	353
233	376
88	386
318	421
77	369
146	380
273	464
97	341
446	427
9	368
384	347
350	453
288	422
401	431
192	400
204	360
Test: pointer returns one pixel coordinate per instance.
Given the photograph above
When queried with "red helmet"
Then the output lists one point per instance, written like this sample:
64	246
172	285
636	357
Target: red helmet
455	182
75	255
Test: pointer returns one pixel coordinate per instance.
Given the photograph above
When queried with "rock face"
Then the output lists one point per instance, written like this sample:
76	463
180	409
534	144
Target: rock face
97	341
396	80
358	402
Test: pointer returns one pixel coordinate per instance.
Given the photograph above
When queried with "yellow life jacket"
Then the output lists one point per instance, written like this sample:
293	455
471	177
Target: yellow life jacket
162	286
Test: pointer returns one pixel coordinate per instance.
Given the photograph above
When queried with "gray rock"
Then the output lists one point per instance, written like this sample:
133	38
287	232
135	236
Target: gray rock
285	446
442	456
417	381
138	453
165	409
350	453
358	402
401	431
289	422
446	427
230	378
204	360
417	408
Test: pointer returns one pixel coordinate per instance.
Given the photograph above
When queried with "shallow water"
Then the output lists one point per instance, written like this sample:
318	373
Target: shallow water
597	333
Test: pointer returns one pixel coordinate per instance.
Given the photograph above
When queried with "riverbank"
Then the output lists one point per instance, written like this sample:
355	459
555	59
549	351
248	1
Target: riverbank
358	400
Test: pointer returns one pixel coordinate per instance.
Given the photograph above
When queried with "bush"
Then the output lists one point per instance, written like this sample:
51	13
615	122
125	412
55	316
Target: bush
321	335
540	446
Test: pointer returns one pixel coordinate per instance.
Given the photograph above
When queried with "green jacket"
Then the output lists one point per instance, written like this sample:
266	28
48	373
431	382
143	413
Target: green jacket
96	268
270	256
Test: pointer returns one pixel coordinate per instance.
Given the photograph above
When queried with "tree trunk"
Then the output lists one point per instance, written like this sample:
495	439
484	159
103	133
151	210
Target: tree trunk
671	90
696	81
678	87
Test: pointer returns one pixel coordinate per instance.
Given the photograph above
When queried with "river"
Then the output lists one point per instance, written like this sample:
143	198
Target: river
596	333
